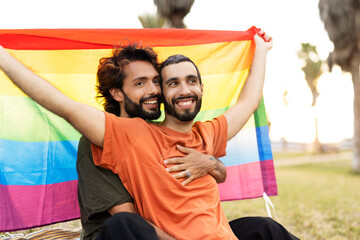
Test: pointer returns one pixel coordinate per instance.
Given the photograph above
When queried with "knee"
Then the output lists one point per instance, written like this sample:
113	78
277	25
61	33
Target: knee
269	223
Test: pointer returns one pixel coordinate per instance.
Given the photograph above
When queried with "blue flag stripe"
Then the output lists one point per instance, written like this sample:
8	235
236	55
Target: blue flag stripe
37	163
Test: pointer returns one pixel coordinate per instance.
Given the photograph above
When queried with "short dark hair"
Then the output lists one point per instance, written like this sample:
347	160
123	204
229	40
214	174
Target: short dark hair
178	58
111	72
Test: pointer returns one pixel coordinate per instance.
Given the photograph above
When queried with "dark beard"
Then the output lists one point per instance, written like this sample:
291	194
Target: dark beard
136	110
184	117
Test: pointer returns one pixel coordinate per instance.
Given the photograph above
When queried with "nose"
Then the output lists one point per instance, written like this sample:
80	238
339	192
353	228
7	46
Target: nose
153	89
184	89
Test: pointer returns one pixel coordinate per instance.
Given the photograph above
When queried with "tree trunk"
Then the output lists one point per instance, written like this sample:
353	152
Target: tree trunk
356	149
317	145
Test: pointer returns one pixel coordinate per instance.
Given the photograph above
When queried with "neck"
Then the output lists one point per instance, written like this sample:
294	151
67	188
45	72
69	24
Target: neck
177	125
123	113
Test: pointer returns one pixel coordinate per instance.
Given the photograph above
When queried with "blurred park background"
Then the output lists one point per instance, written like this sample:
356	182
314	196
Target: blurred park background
312	92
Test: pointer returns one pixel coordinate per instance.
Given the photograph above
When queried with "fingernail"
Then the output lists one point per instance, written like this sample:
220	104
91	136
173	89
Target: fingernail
167	169
166	162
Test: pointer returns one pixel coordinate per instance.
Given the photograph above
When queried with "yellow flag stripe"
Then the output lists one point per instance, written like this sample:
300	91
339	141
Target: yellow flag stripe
211	58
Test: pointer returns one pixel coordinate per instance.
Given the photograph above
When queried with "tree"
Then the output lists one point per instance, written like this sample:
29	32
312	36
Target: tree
342	23
151	21
312	68
174	11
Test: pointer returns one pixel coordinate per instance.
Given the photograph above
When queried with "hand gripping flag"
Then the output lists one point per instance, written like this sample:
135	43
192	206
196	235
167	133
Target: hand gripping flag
38	179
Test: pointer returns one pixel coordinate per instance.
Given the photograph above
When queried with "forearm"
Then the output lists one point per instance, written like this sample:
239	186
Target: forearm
160	233
34	86
125	207
129	207
218	170
89	121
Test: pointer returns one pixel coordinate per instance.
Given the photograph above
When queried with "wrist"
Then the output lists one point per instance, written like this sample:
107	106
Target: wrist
261	50
213	163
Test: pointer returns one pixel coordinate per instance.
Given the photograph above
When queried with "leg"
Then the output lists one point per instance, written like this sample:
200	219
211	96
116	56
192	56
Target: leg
126	225
259	228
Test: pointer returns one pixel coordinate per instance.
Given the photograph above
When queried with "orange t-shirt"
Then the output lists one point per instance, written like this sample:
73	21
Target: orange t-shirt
135	150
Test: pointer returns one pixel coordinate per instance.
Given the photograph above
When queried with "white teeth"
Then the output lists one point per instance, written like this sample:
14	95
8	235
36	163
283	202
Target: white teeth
185	103
150	102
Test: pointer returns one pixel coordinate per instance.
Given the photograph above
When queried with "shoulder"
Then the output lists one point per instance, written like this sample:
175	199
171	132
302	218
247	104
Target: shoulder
218	121
123	120
83	141
84	146
115	123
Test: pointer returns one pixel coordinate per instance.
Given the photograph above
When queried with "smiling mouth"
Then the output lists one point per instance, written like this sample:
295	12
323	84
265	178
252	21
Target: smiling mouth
151	102
185	103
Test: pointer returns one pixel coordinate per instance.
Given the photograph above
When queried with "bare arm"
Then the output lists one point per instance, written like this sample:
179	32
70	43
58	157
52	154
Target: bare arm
197	164
129	207
87	120
251	94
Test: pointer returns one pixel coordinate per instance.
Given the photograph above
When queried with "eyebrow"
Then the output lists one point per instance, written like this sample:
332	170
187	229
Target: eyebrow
176	78
144	78
171	79
191	76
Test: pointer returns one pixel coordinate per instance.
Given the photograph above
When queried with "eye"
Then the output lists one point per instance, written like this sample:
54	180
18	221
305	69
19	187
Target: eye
192	81
139	83
172	84
156	82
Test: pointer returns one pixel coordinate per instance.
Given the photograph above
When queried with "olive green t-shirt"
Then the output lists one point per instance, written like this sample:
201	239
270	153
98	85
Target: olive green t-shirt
98	190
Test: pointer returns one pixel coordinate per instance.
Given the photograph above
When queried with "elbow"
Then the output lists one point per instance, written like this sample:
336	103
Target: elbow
222	177
221	180
256	103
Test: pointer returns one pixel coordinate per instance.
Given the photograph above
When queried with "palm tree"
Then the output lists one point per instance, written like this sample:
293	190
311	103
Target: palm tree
151	21
174	11
312	70
342	23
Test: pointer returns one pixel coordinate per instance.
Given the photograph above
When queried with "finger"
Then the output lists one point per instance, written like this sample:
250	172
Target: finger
173	161
181	174
185	149
267	37
176	168
187	181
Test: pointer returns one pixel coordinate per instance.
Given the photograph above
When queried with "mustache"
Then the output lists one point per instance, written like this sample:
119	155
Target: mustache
195	97
143	99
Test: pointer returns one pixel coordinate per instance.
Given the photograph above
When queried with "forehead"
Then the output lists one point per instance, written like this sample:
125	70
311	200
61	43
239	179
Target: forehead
178	70
141	69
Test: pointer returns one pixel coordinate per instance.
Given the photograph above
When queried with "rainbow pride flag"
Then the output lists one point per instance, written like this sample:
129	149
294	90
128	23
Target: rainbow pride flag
38	179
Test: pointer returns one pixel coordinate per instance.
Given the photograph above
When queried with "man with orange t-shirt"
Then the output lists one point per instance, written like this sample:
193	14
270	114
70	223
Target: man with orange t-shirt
184	212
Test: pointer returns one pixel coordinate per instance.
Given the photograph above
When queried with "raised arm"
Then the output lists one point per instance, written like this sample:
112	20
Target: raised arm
87	120
251	94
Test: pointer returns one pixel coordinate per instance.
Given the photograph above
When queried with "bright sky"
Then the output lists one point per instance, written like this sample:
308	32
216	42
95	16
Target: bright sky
289	22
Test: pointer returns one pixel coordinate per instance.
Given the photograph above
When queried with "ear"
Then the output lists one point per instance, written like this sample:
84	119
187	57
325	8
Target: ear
117	94
202	89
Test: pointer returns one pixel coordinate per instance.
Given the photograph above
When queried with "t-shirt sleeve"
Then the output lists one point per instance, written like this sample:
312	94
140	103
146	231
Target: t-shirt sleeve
215	134
99	189
120	135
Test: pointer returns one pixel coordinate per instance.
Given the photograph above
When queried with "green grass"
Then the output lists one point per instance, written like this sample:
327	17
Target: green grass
315	201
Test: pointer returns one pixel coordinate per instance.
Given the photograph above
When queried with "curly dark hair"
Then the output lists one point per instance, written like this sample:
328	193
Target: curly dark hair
111	72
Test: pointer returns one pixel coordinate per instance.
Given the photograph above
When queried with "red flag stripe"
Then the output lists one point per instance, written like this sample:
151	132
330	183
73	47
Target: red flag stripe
63	39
